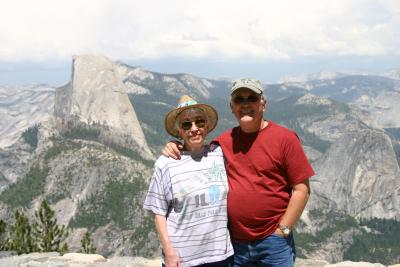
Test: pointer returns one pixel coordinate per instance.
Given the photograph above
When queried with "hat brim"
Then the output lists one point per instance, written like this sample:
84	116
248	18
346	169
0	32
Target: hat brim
170	118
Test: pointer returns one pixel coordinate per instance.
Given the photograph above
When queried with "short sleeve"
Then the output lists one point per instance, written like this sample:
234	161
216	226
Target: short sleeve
156	200
296	163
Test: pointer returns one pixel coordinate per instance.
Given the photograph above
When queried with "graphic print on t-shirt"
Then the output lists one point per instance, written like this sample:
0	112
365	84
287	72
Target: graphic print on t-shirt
200	191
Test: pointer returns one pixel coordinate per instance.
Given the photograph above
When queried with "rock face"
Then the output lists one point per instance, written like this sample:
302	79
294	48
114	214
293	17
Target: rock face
22	107
357	173
96	94
75	260
95	260
362	174
384	108
354	264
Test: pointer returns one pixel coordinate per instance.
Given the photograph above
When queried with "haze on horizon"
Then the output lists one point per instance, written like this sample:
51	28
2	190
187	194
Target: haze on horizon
262	39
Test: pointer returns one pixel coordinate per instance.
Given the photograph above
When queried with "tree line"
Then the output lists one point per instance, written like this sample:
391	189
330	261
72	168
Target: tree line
43	235
379	244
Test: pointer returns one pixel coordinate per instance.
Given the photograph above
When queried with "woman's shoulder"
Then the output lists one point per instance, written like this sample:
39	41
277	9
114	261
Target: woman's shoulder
162	161
214	147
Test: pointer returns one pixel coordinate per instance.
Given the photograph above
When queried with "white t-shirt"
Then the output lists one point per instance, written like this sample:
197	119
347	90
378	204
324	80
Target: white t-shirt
192	194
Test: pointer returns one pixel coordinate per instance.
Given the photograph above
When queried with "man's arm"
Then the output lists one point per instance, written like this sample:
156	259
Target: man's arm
171	256
172	150
297	203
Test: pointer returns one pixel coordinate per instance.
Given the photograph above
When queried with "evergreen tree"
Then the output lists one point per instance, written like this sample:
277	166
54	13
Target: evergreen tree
87	245
30	135
47	234
64	248
20	237
3	237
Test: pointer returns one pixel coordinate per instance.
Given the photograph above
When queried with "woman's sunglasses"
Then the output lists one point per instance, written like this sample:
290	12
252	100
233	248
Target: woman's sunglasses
200	123
250	99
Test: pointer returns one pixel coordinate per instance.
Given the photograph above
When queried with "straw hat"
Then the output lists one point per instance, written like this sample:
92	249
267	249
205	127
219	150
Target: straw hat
186	102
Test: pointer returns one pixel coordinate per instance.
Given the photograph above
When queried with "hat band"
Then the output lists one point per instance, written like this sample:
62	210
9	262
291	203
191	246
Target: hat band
187	103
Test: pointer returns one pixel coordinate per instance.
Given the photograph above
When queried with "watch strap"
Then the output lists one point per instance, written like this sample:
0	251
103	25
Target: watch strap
285	229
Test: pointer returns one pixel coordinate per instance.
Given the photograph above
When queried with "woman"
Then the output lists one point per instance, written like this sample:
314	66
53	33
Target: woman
188	197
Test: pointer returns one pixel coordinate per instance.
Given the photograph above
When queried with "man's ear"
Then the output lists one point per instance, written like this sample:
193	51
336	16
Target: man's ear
263	103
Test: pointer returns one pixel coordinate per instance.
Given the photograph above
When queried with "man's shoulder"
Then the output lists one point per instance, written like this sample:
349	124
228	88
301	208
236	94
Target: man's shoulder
282	130
228	132
225	135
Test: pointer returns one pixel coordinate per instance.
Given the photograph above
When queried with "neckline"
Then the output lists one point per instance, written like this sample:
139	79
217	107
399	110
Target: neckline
195	153
269	123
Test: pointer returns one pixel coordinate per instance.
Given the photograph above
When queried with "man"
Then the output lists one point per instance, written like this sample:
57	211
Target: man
268	176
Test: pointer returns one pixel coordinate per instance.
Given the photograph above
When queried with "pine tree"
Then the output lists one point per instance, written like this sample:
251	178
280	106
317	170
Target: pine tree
47	234
87	245
3	237
20	237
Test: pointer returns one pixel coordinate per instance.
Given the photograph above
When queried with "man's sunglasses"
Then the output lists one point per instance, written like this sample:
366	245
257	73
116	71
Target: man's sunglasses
250	99
200	123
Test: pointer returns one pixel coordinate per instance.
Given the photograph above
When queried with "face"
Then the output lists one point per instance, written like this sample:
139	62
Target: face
248	107
193	128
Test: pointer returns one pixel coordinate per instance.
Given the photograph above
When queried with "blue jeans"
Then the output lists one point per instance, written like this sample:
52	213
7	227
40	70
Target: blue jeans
273	251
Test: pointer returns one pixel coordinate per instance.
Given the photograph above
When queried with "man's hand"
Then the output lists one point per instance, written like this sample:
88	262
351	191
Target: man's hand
279	232
172	258
172	149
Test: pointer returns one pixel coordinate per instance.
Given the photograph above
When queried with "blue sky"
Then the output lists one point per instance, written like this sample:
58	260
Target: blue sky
264	39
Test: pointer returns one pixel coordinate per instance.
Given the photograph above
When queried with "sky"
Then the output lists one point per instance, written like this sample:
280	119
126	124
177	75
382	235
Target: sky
264	39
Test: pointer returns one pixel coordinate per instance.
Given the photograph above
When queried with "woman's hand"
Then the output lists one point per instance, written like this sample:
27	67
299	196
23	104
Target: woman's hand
172	258
172	150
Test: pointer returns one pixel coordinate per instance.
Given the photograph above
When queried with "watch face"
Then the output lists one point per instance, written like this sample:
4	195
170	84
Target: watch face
286	231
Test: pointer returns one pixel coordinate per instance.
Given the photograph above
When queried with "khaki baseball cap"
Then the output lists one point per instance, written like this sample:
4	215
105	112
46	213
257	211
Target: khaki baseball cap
252	84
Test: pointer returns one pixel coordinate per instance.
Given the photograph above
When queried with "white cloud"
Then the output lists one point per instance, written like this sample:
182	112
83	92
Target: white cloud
225	29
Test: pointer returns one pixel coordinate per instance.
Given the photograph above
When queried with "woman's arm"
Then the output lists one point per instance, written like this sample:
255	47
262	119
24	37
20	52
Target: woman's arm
171	256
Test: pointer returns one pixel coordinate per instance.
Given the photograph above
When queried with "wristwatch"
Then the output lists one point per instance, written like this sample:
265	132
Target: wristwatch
285	230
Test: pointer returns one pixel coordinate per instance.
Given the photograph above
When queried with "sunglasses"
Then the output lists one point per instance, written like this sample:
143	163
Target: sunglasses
187	125
250	99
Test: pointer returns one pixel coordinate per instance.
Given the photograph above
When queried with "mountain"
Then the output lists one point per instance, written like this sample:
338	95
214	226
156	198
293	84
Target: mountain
353	157
356	182
92	157
368	185
393	74
320	76
374	94
21	108
96	95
